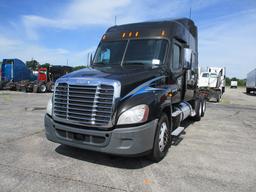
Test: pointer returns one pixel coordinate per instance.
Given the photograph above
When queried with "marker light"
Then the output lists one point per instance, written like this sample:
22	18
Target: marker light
163	33
137	34
104	37
123	35
130	34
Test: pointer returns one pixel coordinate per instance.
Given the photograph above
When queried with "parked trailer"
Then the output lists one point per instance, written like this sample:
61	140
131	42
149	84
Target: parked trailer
12	71
251	81
233	84
141	85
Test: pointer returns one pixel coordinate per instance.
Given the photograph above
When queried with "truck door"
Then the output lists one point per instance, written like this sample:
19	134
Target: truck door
7	71
176	70
190	74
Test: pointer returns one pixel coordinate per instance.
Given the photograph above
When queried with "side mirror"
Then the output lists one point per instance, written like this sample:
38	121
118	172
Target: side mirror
187	58
91	60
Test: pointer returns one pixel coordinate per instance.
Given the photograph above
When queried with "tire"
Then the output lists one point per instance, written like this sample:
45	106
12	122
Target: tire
42	88
198	110
23	89
203	103
248	90
162	140
218	98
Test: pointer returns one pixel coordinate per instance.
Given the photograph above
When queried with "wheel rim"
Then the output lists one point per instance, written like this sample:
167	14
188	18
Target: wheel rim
43	88
200	109
163	136
204	106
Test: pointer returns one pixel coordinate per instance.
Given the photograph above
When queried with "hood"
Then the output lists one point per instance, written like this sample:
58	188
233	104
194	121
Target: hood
129	78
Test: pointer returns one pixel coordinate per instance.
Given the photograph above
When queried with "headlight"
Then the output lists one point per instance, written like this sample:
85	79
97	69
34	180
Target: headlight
137	114
49	107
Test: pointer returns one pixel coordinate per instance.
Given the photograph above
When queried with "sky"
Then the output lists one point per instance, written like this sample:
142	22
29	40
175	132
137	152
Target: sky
65	31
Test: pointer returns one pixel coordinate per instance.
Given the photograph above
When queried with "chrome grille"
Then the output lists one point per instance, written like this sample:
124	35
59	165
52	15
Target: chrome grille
84	104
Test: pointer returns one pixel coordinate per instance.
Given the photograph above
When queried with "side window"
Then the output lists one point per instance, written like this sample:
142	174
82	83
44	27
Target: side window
176	57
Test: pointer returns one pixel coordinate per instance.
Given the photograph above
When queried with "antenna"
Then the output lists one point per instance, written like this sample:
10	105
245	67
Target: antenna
190	13
115	19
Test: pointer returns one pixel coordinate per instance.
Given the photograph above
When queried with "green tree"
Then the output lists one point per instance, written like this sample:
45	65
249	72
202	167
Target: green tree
33	64
46	65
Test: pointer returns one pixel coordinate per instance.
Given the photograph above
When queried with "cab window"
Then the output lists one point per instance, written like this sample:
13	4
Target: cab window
176	58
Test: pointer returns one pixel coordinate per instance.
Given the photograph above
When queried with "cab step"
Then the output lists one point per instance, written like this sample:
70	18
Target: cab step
177	131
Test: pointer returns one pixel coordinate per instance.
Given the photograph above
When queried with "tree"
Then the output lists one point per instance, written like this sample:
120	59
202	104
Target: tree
33	64
46	65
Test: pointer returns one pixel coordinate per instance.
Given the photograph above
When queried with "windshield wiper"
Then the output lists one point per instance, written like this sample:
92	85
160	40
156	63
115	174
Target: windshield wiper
99	63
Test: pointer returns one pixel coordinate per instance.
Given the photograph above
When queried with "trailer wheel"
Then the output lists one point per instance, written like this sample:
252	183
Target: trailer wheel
203	101
42	88
23	89
218	98
162	140
198	110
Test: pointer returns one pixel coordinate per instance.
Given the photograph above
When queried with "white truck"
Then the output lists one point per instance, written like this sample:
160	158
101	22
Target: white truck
251	81
212	82
233	84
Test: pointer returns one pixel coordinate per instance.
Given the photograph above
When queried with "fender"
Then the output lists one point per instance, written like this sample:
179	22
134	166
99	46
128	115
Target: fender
154	93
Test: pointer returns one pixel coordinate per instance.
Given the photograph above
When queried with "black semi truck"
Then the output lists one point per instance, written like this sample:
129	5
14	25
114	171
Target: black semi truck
140	86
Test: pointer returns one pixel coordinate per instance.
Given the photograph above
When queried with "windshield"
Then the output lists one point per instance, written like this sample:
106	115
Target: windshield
213	75
143	52
205	75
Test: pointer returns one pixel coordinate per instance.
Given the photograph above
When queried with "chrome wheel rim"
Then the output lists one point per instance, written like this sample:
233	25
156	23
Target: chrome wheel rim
163	136
204	106
200	109
43	88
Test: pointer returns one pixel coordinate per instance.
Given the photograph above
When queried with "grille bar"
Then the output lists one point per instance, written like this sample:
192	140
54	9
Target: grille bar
84	104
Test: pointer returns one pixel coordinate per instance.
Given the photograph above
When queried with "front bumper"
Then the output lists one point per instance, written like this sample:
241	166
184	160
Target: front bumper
120	141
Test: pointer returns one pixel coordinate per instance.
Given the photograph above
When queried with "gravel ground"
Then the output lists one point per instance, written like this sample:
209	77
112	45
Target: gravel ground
216	154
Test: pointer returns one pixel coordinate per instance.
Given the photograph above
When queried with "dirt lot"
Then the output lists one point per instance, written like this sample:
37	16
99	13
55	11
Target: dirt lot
216	154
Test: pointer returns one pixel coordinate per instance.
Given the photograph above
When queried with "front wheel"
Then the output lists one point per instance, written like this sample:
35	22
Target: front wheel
203	108
162	140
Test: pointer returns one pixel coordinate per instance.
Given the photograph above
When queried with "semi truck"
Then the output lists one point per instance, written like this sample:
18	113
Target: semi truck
46	77
140	86
14	70
212	82
251	81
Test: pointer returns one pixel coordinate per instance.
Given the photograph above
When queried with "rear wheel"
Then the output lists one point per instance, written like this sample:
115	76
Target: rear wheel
42	88
198	110
248	90
162	139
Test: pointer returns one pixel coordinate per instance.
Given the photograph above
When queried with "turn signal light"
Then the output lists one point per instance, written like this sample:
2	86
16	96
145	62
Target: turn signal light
163	33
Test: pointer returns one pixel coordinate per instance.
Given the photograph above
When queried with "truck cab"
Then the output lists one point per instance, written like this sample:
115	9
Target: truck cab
141	84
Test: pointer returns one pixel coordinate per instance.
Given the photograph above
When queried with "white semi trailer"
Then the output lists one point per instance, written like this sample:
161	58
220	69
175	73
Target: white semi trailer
251	81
